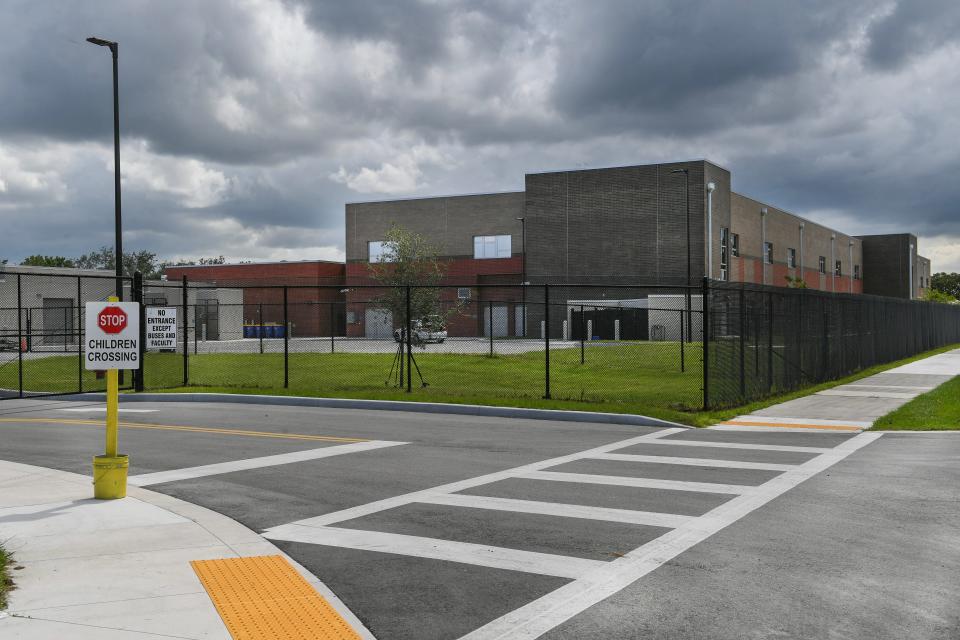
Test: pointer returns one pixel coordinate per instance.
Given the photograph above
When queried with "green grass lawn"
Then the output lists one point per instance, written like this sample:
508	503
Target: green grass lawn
642	378
937	410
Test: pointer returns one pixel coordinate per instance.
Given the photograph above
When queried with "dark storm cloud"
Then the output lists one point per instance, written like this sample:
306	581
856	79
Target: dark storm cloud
248	123
912	29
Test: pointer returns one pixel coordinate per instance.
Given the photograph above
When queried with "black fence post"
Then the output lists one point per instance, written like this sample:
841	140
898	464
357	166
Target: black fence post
196	326
138	382
286	342
331	328
490	324
742	332
583	335
769	341
705	348
260	325
80	337
825	369
546	341
186	332
20	340
409	333
683	362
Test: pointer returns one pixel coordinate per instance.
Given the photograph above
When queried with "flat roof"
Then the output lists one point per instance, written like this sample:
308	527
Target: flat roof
250	264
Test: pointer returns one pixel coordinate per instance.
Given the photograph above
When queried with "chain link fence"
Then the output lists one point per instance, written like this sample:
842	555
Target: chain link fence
768	340
618	347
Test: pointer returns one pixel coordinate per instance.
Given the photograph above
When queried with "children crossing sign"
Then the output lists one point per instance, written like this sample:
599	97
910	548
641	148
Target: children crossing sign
112	339
161	328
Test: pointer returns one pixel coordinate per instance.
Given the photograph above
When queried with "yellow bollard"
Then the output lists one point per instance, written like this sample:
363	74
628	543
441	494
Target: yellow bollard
110	470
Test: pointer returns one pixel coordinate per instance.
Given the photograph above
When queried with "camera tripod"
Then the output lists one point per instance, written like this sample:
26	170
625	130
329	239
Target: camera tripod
397	366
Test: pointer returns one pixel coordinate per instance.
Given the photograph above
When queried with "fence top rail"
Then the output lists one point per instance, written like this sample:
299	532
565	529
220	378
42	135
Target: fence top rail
472	285
68	276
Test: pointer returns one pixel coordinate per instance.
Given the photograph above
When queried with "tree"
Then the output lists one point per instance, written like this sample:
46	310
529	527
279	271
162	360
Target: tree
103	258
409	259
935	295
47	261
795	283
948	283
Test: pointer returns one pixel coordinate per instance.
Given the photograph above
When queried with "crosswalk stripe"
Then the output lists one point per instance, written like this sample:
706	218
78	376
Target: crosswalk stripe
630	516
694	462
640	483
740	445
436	549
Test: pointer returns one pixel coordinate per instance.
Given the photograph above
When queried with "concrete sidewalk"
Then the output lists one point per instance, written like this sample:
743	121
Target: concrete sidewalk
108	570
855	406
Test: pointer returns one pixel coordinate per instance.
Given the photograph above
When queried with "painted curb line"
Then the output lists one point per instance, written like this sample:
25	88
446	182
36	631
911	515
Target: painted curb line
392	405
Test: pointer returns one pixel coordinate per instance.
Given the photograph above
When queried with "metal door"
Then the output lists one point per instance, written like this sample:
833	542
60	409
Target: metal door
378	324
58	321
501	315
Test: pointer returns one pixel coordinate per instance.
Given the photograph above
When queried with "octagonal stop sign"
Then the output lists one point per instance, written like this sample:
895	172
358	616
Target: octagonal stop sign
112	320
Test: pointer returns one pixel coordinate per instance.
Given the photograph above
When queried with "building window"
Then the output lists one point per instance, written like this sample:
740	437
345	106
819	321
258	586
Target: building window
823	264
735	245
463	293
351	317
380	251
724	249
856	272
485	247
792	258
837	270
768	252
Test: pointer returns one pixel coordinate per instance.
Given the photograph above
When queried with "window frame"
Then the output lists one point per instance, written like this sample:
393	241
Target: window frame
735	245
768	253
791	257
822	266
838	269
502	247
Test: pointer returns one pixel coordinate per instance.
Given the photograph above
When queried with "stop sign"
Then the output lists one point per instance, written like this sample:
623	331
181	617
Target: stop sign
112	320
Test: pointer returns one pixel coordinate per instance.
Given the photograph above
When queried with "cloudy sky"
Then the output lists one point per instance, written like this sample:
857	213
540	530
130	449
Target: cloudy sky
247	124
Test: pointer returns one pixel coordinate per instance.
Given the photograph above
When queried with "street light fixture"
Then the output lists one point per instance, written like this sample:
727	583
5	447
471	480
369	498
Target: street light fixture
686	175
118	239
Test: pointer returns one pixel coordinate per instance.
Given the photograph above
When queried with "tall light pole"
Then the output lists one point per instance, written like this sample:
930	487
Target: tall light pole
523	275
118	227
686	175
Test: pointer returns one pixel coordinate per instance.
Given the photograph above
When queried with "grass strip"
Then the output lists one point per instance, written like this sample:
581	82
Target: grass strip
937	410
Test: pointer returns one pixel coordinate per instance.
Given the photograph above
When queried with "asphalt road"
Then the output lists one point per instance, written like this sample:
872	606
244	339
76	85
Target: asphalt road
432	526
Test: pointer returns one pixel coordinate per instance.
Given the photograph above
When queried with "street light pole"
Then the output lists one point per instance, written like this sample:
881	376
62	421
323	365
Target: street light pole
117	221
523	275
686	175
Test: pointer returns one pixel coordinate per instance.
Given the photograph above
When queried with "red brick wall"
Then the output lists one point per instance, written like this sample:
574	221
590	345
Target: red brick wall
308	310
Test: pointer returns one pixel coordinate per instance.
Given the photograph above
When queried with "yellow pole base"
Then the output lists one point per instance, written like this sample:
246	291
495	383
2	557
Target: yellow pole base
110	477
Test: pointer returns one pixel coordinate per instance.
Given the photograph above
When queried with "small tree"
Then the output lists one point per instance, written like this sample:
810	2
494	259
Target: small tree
933	295
409	259
47	261
795	283
948	283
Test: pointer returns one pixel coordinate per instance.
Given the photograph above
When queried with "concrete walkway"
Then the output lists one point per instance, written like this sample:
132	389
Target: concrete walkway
119	569
855	406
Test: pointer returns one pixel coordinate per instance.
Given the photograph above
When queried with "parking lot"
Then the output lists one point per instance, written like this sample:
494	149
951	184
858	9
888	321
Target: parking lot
440	526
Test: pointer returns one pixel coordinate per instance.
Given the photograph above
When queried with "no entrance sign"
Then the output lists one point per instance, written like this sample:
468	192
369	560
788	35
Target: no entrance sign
161	328
112	339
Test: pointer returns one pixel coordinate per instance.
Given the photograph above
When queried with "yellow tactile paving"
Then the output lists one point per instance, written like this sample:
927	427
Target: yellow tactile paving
794	425
173	427
264	598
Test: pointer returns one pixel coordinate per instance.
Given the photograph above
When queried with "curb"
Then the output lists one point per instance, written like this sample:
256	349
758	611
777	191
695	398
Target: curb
394	405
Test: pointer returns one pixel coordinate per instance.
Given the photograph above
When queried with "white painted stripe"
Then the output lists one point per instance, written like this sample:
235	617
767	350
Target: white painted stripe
884	386
640	483
173	475
741	445
398	501
867	394
104	410
435	549
785	428
564	510
540	616
694	462
759	417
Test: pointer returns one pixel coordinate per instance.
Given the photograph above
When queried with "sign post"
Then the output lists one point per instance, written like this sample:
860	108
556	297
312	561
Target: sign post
112	342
